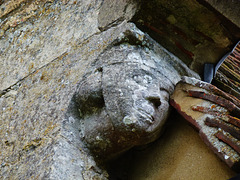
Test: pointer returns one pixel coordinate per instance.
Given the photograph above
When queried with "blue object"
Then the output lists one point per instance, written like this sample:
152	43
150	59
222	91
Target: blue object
209	72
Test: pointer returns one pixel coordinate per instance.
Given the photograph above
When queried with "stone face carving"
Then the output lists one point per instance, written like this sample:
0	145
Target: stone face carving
123	97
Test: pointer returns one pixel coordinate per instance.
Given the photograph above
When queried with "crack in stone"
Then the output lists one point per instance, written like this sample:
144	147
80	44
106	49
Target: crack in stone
13	86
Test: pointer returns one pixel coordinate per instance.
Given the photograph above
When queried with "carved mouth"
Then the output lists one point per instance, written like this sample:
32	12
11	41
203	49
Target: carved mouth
148	117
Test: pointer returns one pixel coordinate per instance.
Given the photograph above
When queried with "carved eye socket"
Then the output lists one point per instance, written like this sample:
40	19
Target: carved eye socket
155	101
89	98
93	103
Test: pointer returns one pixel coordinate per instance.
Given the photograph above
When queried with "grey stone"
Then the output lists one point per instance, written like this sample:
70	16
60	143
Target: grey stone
43	59
35	133
54	30
113	12
229	9
122	100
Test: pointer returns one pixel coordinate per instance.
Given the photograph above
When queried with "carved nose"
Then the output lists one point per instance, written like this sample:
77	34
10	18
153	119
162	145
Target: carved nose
154	100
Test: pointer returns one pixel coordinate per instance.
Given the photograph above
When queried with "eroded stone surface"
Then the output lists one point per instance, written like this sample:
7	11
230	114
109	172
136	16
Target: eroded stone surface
43	56
45	49
112	12
36	132
123	97
53	29
33	118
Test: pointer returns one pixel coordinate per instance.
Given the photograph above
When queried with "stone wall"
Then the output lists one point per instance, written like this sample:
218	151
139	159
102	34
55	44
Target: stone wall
45	49
43	56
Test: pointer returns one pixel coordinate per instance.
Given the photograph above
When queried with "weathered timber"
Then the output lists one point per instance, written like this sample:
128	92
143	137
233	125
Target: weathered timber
214	122
210	110
227	76
228	139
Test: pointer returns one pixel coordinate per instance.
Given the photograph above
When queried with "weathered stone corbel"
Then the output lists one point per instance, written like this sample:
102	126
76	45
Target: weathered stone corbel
122	100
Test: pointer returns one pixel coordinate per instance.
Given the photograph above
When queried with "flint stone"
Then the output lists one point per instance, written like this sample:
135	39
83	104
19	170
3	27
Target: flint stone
123	97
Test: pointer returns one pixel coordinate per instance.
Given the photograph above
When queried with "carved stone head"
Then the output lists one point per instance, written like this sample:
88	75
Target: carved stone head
123	97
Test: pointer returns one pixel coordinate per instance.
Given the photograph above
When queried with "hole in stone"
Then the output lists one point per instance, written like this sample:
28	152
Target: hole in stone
92	104
155	101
